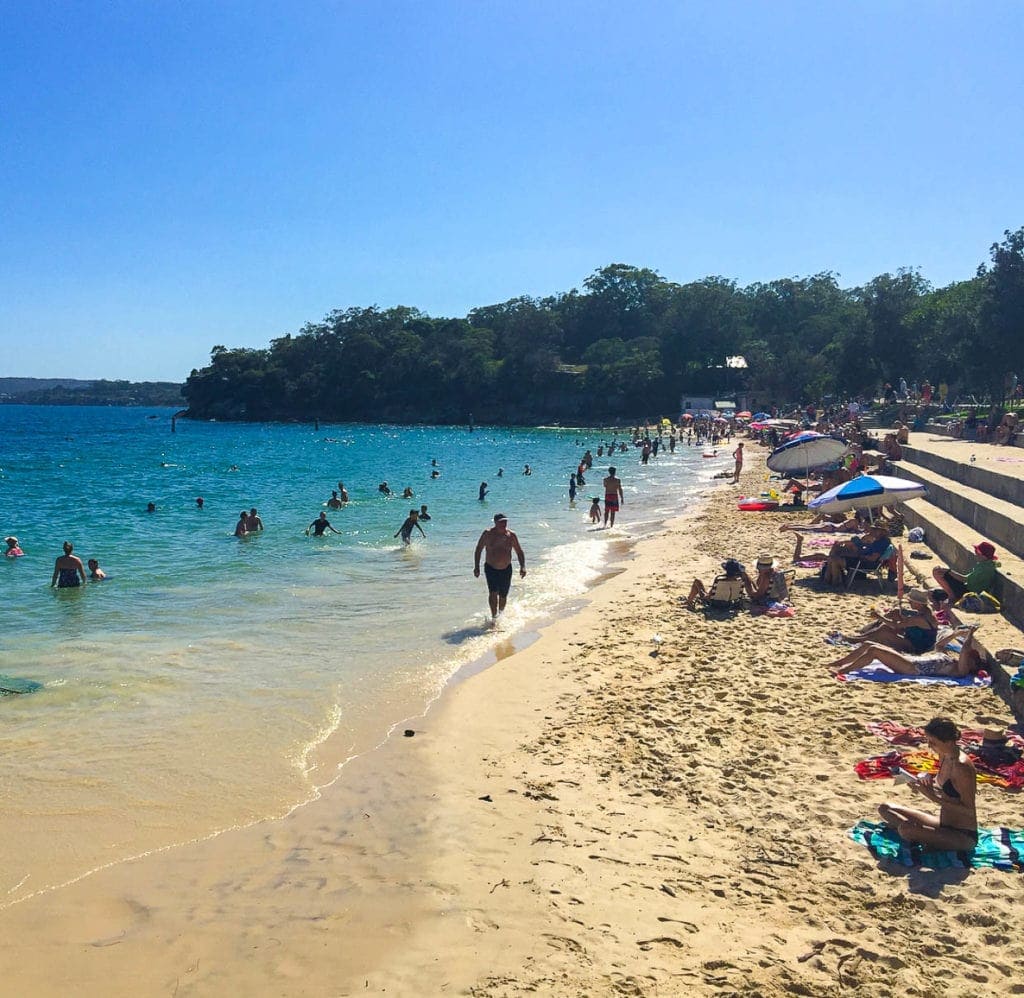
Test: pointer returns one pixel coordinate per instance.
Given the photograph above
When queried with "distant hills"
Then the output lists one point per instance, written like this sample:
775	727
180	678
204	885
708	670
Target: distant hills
72	391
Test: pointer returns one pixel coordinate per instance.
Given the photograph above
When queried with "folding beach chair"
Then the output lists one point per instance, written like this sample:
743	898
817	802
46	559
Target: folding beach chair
869	568
725	594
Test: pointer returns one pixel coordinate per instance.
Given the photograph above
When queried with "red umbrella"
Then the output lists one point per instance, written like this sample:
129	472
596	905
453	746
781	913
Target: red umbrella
744	415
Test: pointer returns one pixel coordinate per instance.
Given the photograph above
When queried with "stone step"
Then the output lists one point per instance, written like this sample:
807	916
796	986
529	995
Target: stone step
1006	486
953	543
999	521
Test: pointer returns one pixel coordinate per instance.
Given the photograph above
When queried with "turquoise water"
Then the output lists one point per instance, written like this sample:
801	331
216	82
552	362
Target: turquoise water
212	681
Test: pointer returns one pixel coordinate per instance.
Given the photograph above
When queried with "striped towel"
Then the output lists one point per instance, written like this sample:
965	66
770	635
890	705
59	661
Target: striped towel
998	848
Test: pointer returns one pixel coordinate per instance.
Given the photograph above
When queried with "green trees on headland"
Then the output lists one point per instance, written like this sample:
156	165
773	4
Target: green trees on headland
631	343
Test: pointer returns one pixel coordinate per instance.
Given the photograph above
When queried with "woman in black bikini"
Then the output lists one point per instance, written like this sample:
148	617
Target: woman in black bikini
953	788
68	570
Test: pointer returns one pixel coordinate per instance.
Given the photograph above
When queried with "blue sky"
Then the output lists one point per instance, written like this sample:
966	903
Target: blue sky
175	175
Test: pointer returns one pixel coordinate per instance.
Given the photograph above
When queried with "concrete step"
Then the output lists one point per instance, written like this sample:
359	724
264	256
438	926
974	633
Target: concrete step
1005	486
997	520
953	542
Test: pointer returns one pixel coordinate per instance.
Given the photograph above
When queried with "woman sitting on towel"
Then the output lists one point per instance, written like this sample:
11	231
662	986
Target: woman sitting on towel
953	788
943	661
914	631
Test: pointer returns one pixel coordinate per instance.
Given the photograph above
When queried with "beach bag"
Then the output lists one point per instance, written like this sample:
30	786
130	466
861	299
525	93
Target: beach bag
778	592
982	602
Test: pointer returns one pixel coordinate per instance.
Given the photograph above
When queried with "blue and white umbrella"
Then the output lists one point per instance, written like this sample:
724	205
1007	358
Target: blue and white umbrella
804	452
866	492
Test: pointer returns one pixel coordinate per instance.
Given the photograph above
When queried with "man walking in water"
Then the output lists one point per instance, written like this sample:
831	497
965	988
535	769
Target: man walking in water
737	456
612	496
499	542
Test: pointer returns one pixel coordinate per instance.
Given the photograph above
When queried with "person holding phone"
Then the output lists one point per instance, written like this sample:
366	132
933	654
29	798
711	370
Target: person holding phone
953	788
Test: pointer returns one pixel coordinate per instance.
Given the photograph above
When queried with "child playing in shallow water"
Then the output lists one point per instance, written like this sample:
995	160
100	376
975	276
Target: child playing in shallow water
595	509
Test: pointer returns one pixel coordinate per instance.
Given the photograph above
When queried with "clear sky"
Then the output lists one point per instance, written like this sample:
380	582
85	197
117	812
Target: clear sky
175	175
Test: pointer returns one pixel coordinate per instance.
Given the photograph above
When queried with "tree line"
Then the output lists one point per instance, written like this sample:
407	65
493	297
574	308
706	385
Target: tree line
629	343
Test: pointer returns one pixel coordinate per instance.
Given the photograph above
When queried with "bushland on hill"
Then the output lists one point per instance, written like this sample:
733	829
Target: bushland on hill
631	342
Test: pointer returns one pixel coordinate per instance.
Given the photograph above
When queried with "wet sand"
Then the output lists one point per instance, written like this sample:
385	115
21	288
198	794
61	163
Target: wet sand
599	813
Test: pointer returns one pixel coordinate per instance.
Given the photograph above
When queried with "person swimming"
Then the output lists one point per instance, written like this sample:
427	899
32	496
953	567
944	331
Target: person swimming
13	550
96	574
412	520
319	525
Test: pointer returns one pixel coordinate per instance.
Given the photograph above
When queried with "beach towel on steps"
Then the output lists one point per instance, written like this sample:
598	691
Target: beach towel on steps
998	848
878	673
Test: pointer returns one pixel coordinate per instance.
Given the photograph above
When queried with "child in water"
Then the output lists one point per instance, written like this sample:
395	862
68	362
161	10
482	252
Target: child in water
595	509
412	520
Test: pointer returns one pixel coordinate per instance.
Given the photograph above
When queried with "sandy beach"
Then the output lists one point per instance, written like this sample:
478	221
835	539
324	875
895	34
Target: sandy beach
600	813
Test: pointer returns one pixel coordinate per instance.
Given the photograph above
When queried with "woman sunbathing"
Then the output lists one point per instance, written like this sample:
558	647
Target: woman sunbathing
913	632
844	525
953	788
942	661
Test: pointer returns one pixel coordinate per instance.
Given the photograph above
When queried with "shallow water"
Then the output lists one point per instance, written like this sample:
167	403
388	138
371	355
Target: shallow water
212	681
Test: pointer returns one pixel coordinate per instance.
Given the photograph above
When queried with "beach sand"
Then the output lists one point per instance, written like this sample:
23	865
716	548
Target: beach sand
600	813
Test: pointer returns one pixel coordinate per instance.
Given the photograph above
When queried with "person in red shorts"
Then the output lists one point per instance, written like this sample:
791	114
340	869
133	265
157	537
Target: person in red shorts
612	497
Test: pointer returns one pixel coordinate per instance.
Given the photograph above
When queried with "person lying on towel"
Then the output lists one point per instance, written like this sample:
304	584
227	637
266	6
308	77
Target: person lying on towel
942	661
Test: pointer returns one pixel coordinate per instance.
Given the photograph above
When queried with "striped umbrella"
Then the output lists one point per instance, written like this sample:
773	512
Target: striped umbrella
867	492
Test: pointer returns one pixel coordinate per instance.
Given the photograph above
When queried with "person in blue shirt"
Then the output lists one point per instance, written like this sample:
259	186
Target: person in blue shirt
867	549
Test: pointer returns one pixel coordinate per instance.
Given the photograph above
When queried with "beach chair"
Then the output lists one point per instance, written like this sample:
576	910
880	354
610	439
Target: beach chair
865	569
725	594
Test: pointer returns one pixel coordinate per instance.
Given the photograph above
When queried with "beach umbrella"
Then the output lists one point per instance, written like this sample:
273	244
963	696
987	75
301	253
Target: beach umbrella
761	415
866	492
805	451
743	415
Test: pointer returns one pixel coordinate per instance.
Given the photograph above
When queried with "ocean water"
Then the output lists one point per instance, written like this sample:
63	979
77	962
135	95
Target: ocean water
213	681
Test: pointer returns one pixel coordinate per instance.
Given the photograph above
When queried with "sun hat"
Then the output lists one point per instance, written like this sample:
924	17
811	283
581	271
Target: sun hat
499	517
765	561
922	596
11	540
986	550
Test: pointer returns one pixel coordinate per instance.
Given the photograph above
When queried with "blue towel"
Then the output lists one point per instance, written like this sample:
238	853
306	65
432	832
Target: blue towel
999	848
878	673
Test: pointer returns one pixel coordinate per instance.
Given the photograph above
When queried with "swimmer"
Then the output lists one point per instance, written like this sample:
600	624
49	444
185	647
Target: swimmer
613	497
68	570
199	502
435	473
13	551
407	492
319	525
240	528
384	489
500	543
342	492
253	523
483	491
412	520
334	502
424	515
501	472
151	507
96	574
